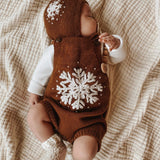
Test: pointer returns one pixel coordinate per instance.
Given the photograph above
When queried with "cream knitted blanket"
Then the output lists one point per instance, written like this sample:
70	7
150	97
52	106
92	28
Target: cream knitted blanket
134	117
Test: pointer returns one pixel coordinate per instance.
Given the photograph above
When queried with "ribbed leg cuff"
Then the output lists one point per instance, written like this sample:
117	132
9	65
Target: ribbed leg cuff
96	130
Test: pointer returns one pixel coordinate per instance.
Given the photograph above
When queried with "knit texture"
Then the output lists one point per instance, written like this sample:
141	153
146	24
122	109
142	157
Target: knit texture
77	90
65	20
54	148
69	150
133	122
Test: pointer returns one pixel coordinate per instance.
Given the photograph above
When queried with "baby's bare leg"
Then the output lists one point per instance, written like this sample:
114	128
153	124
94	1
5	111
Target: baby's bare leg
39	122
85	147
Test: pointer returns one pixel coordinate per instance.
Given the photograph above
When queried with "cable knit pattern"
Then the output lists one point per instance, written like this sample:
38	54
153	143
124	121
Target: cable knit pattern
134	117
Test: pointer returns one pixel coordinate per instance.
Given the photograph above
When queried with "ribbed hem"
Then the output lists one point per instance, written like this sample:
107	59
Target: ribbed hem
97	130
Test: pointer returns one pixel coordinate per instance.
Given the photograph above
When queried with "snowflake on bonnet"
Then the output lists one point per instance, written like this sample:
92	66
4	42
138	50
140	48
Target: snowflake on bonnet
82	86
54	9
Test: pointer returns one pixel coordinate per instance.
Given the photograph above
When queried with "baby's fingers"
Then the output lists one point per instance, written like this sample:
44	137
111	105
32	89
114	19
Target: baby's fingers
106	39
103	35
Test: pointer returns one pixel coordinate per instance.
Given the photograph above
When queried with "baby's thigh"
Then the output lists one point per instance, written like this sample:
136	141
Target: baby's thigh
85	147
38	113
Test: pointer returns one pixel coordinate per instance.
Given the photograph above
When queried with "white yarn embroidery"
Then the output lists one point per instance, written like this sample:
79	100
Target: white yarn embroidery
81	86
54	9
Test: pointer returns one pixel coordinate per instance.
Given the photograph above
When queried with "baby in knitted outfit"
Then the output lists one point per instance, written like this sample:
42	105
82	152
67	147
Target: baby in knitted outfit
69	90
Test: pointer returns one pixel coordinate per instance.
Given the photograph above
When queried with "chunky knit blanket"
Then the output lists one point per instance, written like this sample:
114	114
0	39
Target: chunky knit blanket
134	118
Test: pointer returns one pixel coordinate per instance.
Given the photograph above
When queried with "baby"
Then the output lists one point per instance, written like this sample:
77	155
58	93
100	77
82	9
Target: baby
69	90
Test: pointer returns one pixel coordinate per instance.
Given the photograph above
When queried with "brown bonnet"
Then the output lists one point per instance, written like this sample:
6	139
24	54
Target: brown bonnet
62	18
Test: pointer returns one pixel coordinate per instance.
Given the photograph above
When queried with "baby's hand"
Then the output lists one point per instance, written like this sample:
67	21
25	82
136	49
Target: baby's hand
110	40
34	99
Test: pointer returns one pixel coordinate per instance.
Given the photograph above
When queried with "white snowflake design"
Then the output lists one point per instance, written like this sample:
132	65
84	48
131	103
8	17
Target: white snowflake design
82	86
54	9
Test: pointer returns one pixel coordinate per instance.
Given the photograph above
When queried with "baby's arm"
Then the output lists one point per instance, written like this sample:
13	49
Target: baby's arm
114	51
41	76
111	41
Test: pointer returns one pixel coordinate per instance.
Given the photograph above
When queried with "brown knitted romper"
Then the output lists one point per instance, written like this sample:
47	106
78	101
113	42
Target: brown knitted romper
77	94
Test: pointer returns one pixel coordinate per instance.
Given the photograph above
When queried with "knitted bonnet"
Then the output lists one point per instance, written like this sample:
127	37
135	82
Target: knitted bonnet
62	18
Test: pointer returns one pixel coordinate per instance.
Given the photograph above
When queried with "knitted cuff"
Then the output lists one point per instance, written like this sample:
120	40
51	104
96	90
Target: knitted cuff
52	143
96	130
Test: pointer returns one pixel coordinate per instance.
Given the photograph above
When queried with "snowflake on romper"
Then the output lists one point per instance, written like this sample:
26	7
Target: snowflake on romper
82	86
54	9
